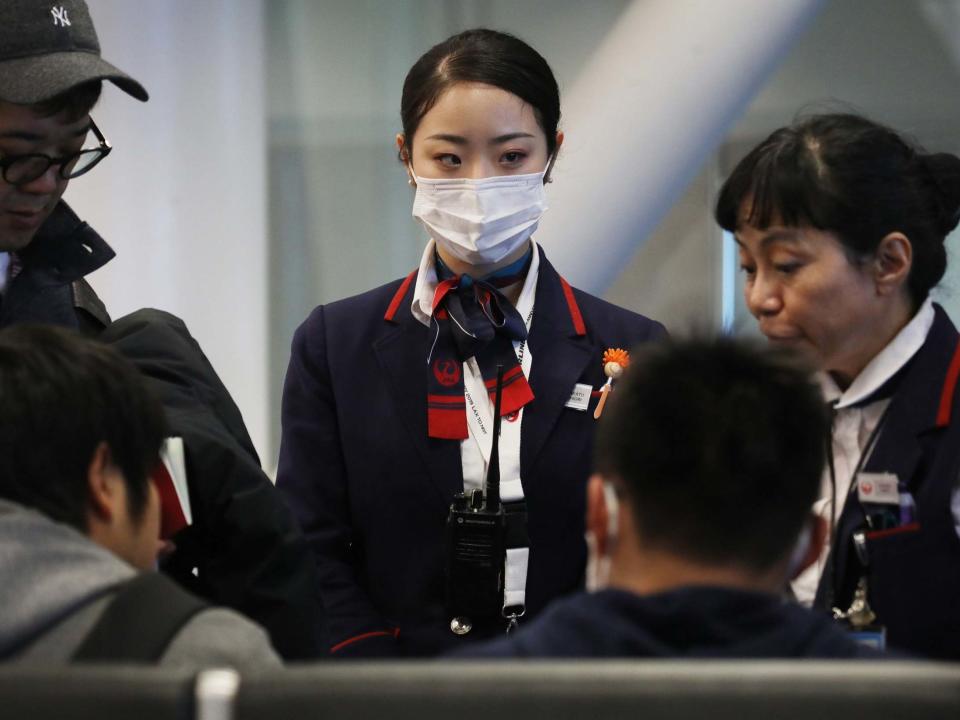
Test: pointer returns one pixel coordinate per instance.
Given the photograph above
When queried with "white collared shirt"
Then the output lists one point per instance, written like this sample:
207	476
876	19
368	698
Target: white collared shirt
476	448
853	427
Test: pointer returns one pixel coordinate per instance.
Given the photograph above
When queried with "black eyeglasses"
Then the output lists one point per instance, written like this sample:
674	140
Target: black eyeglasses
21	169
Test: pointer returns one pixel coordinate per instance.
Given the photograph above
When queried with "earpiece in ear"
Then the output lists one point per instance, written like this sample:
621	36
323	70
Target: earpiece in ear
613	513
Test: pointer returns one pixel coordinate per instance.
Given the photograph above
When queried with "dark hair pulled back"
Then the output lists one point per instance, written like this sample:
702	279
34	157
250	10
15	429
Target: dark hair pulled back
481	56
848	175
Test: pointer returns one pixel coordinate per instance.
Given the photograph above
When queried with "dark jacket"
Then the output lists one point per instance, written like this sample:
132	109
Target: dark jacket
913	572
244	543
50	289
692	622
372	491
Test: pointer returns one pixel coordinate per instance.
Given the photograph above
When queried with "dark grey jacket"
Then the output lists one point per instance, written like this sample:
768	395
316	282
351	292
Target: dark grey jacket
50	288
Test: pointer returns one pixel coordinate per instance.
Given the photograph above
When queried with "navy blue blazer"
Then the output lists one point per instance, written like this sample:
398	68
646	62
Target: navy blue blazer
372	491
913	574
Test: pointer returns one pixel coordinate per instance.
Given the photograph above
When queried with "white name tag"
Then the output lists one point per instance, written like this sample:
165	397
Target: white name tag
878	488
580	397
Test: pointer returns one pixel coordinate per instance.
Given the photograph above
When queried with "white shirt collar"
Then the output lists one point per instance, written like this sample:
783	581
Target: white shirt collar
423	292
885	364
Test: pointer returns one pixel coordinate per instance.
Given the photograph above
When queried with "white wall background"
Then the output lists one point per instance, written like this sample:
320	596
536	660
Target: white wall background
182	198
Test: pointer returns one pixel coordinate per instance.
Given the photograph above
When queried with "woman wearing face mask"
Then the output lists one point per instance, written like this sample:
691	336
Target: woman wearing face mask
840	225
386	411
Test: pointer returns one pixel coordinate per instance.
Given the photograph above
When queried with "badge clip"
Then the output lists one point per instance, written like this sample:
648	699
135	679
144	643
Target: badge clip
859	615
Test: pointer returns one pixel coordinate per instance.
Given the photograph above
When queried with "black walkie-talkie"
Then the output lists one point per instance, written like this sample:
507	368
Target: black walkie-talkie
476	540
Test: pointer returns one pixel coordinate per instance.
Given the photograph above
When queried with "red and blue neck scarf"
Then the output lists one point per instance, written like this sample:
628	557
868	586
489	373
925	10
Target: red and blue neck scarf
474	319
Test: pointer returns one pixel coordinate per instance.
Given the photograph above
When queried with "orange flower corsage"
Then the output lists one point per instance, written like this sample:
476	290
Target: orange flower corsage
615	361
618	357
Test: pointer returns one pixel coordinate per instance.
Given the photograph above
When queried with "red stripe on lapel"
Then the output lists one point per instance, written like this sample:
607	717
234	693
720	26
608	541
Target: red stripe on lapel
575	315
398	298
949	385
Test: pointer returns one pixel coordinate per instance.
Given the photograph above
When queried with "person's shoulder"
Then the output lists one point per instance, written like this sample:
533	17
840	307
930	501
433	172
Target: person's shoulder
223	638
601	318
355	310
614	320
379	297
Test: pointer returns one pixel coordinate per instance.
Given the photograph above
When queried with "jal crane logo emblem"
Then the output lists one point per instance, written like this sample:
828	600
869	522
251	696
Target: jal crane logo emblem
60	16
447	372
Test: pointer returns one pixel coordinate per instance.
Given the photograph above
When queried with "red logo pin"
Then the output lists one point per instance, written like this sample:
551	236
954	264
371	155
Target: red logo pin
447	372
866	487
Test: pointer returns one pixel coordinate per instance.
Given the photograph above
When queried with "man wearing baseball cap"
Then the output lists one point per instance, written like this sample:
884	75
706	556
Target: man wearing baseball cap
243	548
51	75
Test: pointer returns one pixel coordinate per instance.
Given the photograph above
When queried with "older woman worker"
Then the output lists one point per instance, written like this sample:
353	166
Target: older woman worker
840	224
386	407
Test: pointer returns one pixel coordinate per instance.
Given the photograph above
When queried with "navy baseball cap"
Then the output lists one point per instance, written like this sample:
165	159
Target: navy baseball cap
48	47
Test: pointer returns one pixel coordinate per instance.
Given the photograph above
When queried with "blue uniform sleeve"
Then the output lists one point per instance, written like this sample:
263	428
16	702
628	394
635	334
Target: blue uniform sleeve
313	477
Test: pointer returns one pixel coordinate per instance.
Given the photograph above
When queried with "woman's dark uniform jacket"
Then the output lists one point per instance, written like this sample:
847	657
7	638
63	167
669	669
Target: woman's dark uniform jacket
914	571
372	491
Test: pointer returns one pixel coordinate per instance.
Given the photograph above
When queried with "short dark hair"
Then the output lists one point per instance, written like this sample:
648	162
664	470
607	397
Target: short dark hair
719	446
75	102
61	395
849	175
482	56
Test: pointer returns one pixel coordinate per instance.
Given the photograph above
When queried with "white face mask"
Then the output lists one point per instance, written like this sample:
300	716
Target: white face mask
480	222
598	566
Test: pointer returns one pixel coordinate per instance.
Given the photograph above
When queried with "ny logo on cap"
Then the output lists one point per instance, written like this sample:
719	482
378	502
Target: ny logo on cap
60	16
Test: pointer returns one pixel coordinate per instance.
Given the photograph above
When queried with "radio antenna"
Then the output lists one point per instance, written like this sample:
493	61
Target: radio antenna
493	470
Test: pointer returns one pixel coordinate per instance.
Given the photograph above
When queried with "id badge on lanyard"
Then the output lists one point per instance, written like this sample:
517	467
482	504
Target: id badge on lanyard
869	488
480	420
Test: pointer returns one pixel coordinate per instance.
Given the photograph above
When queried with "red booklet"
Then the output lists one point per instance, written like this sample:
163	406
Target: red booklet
170	478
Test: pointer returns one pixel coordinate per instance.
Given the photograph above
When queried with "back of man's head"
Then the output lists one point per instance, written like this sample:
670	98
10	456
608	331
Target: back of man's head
63	397
719	447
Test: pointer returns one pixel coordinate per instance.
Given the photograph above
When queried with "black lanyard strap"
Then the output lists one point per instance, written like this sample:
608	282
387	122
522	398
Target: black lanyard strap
831	568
